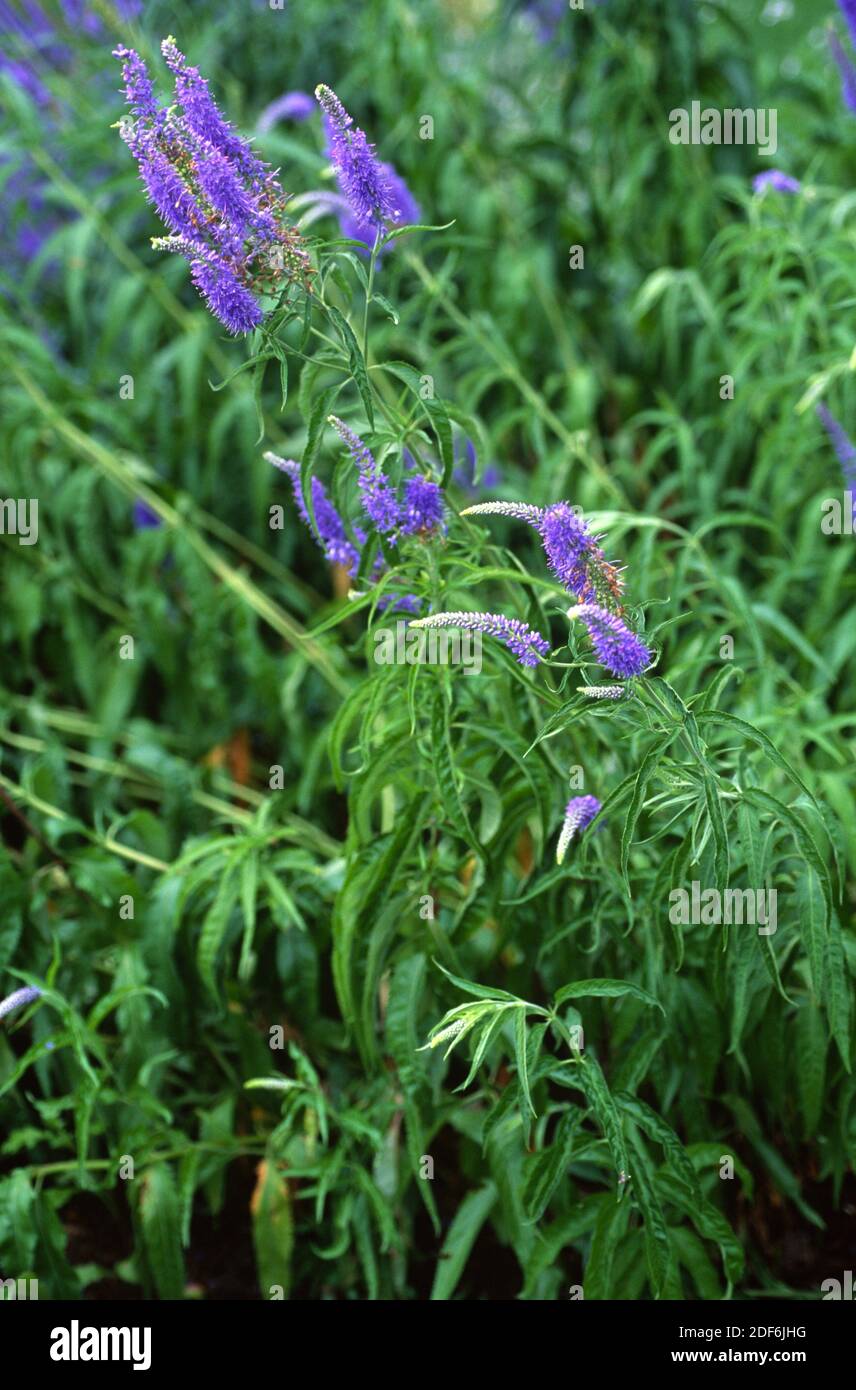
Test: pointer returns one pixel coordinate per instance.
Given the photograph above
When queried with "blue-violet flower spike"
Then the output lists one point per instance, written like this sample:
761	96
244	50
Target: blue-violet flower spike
330	529
579	812
527	645
616	647
379	501
361	177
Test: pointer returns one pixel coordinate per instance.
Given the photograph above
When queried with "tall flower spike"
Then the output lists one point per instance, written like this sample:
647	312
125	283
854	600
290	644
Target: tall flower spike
379	500
527	645
362	179
228	300
846	69
139	89
616	647
18	999
845	451
579	812
573	553
407	211
204	117
330	533
520	511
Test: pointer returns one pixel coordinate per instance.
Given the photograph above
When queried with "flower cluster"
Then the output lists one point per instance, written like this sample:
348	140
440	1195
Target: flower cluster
378	495
371	192
578	562
331	536
527	645
579	812
223	206
421	512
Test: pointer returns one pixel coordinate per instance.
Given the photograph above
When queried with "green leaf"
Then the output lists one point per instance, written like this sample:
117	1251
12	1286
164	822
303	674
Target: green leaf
658	1249
461	1236
214	928
547	1168
478	991
811	1046
161	1225
640	786
592	1080
356	361
813	918
601	988
273	1229
609	1229
838	991
521	1058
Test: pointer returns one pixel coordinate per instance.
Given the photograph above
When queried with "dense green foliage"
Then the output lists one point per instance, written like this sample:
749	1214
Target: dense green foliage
248	1032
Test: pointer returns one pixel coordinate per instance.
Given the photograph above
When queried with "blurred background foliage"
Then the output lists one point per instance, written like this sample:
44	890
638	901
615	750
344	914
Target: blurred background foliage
151	778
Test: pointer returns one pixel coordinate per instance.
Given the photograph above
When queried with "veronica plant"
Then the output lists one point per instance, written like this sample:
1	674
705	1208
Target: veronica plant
512	834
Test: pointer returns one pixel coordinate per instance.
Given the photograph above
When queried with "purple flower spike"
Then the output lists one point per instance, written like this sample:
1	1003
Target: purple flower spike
203	116
579	812
408	211
847	71
292	106
330	528
226	297
362	179
575	557
222	204
777	180
168	193
573	553
423	507
616	647
139	91
848	10
526	644
19	999
379	500
844	449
